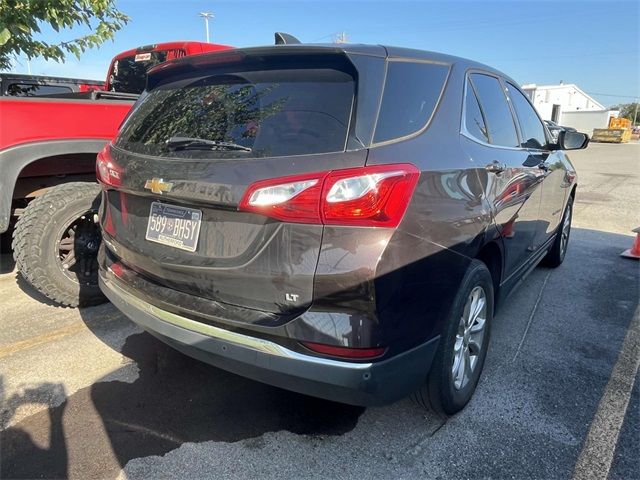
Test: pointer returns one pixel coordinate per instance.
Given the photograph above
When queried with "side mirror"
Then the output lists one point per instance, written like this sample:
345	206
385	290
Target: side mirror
571	141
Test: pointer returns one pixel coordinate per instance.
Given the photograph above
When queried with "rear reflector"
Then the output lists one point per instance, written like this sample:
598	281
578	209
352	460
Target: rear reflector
117	269
344	352
367	196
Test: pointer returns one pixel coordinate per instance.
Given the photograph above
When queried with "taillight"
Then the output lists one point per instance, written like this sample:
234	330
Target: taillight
85	87
107	171
367	196
344	352
370	196
290	199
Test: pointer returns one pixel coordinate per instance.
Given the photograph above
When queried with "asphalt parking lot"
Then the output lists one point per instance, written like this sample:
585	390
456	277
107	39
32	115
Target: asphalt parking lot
85	394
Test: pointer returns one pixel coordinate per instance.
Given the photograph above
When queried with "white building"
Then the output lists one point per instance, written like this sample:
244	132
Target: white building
567	104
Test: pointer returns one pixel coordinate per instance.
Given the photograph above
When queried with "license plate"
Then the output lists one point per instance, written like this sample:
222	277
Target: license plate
174	226
142	57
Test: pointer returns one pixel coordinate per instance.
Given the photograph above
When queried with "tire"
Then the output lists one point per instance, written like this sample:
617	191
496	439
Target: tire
556	254
55	244
444	392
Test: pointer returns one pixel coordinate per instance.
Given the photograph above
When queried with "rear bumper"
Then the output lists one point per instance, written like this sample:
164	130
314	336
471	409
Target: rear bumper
373	383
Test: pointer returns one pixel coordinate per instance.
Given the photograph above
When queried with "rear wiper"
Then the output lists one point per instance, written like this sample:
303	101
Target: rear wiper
188	143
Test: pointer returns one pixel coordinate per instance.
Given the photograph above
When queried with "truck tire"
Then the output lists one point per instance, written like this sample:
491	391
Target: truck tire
55	244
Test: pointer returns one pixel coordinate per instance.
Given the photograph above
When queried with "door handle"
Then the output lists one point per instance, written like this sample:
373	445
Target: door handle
496	167
543	166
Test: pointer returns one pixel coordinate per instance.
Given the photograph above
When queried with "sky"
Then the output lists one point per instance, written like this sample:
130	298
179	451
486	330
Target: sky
594	44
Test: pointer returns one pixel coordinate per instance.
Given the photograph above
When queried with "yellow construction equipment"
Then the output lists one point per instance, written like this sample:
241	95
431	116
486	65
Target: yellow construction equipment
619	131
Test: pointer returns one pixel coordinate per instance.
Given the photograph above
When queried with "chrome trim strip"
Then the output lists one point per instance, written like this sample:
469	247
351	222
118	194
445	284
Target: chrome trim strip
253	343
503	81
463	124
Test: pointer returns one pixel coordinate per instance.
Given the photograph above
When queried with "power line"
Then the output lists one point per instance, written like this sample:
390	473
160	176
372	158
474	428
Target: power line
579	55
460	24
613	95
331	35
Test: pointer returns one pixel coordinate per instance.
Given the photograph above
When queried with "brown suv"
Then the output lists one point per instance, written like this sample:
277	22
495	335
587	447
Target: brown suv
335	220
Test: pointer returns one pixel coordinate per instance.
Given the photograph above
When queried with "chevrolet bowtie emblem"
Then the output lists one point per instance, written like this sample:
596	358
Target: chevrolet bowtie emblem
157	185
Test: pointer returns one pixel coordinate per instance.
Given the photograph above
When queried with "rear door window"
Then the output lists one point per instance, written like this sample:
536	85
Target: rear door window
497	114
411	93
262	113
473	118
533	135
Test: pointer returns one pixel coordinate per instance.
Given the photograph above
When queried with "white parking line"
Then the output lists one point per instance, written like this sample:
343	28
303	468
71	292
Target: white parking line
531	315
599	447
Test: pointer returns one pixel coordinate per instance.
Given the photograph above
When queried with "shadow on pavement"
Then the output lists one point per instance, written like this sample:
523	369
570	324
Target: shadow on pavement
50	457
7	264
174	400
33	293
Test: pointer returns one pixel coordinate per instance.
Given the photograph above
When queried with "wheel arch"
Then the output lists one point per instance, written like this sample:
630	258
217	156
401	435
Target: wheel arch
491	255
15	159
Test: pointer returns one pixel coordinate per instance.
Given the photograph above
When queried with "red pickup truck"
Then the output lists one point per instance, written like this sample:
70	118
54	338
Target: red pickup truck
48	189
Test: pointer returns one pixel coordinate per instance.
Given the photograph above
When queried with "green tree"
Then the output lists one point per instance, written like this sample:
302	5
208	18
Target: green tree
21	20
628	110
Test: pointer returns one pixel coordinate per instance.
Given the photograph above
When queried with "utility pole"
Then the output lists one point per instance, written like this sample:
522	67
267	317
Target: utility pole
206	16
341	38
635	113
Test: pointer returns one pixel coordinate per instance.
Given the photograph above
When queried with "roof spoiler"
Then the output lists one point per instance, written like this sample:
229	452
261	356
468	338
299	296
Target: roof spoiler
285	39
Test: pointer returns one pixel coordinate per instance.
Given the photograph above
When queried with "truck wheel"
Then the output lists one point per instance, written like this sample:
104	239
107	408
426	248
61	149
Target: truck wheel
463	345
55	244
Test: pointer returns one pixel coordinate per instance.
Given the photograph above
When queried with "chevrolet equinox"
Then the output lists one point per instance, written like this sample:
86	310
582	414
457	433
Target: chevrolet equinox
340	221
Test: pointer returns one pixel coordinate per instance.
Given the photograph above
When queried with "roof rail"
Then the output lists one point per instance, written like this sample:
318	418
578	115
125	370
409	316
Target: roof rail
285	39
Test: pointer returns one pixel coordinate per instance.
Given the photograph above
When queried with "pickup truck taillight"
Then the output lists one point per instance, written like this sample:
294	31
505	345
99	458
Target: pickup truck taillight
85	87
107	171
374	196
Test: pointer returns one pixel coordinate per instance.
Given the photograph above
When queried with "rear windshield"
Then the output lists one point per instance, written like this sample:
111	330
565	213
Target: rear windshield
35	90
261	113
129	74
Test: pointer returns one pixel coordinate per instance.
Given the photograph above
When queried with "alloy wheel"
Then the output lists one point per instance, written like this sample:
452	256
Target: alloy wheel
78	249
469	338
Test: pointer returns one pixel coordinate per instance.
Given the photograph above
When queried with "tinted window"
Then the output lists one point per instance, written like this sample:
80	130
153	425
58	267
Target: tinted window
129	74
410	96
34	90
530	126
272	112
502	130
473	119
